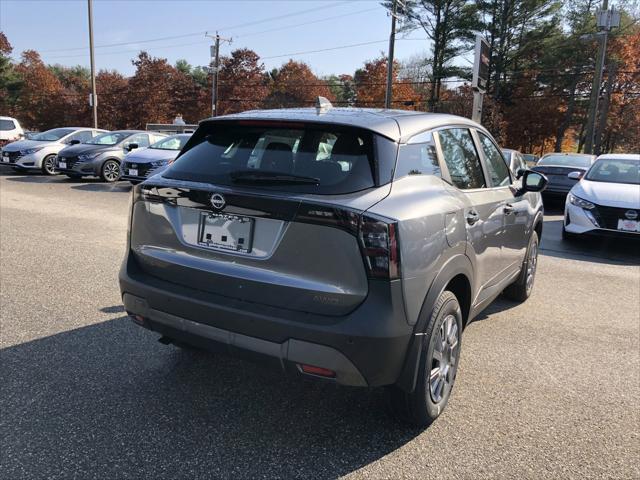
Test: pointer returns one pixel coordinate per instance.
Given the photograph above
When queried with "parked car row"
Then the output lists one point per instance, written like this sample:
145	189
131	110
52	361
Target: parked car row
79	151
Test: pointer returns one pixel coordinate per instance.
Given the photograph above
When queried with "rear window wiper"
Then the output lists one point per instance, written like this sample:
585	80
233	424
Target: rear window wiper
264	177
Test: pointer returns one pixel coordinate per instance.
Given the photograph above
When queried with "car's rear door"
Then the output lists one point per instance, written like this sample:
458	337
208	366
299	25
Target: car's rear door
484	205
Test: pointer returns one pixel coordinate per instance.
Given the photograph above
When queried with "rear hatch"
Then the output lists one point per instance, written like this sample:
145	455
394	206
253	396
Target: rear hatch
269	213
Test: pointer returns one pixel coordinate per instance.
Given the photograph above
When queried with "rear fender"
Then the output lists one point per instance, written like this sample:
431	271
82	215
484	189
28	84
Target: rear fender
457	265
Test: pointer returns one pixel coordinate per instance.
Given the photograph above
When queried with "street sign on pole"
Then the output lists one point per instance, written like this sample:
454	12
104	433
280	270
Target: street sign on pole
481	65
480	76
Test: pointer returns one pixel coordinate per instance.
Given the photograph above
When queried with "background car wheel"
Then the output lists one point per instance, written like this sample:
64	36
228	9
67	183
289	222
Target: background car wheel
521	289
438	366
49	165
110	171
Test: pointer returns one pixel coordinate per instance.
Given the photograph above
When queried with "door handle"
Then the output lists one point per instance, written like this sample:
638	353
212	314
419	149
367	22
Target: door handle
472	217
508	209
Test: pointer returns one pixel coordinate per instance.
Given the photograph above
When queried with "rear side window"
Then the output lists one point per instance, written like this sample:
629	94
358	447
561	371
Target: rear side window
7	125
82	136
461	158
305	158
496	165
418	157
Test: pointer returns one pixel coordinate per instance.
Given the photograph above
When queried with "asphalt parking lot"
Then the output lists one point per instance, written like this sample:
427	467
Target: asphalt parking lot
546	389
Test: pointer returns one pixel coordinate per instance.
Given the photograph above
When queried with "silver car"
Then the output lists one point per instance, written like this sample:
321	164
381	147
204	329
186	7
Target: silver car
101	156
146	162
40	150
346	245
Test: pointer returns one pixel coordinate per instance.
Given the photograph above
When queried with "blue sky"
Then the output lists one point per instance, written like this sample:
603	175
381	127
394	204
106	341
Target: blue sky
58	30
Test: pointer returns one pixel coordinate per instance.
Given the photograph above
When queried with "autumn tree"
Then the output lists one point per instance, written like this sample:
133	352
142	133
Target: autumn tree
76	84
295	85
371	84
149	94
112	91
621	109
40	101
242	82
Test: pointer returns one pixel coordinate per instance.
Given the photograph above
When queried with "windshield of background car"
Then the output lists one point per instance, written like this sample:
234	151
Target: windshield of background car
52	135
109	138
7	125
304	158
615	171
170	143
565	160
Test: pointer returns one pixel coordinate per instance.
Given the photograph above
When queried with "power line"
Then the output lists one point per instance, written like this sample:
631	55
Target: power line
201	32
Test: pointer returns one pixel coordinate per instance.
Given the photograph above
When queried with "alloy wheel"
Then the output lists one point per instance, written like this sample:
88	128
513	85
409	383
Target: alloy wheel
111	171
444	359
49	165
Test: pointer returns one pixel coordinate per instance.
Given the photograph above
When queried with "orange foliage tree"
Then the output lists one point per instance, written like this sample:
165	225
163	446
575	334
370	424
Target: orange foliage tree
242	82
40	101
371	81
295	85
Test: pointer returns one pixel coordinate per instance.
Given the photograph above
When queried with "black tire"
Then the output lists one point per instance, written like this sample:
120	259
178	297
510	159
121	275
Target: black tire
110	171
74	176
521	289
49	165
429	398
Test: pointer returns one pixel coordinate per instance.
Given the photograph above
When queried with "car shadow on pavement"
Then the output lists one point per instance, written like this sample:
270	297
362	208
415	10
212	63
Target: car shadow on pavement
29	177
588	248
99	186
109	401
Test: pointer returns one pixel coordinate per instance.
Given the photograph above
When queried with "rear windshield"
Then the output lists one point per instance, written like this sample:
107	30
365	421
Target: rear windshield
7	125
615	170
566	160
305	158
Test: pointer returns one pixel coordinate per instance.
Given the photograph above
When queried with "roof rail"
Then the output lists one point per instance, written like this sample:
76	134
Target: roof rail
323	104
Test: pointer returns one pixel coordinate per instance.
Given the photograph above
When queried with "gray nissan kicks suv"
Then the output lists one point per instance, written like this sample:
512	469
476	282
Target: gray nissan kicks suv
352	245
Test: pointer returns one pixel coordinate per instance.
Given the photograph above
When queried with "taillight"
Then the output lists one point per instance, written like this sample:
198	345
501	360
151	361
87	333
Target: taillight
379	240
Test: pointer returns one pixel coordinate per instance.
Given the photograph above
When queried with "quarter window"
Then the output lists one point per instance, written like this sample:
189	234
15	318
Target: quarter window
497	167
461	158
418	157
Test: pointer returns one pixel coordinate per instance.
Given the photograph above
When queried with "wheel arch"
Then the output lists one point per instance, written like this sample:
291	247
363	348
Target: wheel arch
455	275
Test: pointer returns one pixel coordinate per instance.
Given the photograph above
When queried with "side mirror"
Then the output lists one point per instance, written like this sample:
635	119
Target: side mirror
533	181
520	173
132	146
575	175
74	142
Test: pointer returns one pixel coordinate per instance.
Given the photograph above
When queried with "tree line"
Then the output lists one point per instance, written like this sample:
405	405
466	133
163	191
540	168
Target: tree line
541	70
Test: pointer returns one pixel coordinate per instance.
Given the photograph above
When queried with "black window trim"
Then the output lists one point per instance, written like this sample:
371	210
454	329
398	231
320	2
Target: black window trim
444	172
443	165
485	162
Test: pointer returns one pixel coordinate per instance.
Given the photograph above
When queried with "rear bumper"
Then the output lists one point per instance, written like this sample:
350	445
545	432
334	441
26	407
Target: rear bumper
365	348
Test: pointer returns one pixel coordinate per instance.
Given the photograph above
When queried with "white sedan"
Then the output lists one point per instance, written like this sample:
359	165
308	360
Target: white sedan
607	198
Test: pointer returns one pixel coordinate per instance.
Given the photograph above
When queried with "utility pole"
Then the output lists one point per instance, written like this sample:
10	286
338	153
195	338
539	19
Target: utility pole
392	42
94	98
606	20
215	60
